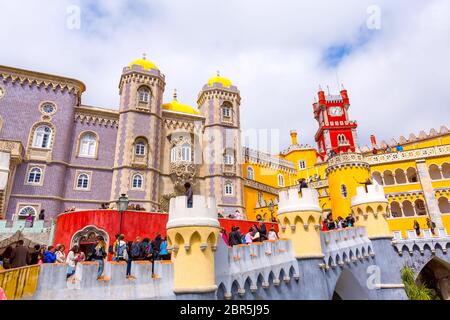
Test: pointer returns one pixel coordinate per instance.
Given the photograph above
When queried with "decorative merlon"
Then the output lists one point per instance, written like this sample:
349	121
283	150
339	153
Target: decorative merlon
202	213
292	201
375	193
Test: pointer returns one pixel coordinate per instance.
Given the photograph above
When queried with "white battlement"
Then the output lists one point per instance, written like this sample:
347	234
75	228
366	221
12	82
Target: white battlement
375	194
291	201
202	213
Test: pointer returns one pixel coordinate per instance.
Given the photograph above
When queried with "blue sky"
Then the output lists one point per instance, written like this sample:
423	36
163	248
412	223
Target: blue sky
276	52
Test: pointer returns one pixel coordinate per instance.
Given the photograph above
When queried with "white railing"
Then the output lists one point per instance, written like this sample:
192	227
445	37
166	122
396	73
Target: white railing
409	155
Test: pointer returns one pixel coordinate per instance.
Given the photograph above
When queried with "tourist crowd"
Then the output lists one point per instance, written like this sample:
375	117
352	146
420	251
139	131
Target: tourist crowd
330	224
256	233
120	250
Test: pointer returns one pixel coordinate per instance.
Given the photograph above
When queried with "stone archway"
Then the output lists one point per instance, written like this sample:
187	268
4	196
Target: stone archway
435	275
348	288
87	236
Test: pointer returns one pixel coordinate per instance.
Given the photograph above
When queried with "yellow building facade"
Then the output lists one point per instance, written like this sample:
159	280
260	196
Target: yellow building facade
414	171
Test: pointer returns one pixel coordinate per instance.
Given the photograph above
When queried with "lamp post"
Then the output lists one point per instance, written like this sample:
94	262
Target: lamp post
122	205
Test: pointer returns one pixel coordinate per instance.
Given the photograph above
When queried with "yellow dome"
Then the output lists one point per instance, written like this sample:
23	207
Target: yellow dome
218	79
145	64
178	107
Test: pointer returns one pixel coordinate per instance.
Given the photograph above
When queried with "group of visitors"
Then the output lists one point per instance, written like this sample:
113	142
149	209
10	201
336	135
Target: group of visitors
388	149
144	249
256	233
21	256
340	223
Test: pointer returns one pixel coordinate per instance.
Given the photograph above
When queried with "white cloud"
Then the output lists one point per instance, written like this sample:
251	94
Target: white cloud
272	50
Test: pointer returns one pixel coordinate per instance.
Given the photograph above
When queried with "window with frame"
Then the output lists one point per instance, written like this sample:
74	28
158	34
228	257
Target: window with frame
229	190
34	175
344	191
227	112
83	181
144	95
186	152
228	158
250	173
302	164
42	137
139	149
280	180
137	181
88	145
174	154
27	211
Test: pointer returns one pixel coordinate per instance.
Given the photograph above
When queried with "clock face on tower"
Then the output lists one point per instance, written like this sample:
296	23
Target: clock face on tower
335	111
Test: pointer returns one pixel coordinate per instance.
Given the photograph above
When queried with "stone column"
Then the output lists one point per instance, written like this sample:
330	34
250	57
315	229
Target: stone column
431	203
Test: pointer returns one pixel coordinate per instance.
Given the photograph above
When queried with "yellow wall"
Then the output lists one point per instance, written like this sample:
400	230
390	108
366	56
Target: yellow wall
348	176
20	282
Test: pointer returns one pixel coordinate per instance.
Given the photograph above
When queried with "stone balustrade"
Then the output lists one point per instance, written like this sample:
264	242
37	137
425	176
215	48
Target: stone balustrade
248	262
52	283
348	245
426	240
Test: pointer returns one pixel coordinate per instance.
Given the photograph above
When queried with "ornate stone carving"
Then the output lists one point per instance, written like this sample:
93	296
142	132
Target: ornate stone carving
182	172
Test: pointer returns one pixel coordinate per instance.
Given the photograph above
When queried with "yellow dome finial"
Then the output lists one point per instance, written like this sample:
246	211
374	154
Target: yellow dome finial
144	56
218	73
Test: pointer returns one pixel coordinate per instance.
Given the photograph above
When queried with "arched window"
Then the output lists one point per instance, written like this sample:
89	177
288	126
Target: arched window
88	145
446	171
400	176
280	180
444	205
435	172
144	95
396	210
42	137
250	173
26	211
344	191
186	152
420	208
137	181
411	174
377	177
229	188
34	175
83	181
388	178
139	149
408	209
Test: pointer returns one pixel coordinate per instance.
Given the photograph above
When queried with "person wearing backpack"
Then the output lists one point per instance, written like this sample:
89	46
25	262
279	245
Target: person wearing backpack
134	249
146	250
121	250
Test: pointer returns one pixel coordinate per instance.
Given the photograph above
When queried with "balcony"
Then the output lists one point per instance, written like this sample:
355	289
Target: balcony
139	161
229	169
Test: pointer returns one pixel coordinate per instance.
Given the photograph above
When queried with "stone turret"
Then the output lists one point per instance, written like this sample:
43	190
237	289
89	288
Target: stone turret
192	236
299	216
370	208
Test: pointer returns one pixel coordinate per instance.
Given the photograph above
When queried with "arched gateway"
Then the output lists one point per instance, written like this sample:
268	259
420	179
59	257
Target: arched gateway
87	236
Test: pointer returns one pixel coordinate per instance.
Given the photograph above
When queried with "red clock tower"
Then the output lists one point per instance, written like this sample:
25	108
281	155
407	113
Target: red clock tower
336	132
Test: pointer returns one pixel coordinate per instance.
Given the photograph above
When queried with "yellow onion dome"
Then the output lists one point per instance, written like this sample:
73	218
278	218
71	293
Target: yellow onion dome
222	80
144	63
179	107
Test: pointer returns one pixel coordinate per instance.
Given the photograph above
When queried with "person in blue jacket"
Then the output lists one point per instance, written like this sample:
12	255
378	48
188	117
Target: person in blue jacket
50	255
163	252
